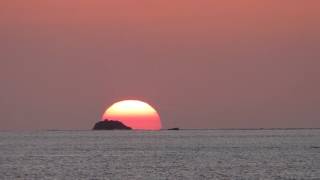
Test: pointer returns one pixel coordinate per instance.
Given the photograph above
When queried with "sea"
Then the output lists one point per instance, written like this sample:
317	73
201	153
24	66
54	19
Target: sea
183	154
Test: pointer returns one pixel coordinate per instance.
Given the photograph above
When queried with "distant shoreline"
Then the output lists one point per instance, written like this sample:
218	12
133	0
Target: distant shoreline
254	129
217	129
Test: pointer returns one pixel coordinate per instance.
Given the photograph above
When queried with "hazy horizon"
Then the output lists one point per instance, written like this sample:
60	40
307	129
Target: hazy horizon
200	64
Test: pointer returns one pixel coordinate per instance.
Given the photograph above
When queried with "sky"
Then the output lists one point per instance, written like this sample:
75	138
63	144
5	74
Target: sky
200	63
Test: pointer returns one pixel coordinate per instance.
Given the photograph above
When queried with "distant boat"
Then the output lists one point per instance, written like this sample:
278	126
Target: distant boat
174	129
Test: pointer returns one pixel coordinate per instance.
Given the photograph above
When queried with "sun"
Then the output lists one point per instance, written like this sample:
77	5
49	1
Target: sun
135	114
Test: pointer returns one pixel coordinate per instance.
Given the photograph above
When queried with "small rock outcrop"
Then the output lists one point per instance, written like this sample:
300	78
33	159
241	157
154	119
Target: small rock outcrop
174	129
110	125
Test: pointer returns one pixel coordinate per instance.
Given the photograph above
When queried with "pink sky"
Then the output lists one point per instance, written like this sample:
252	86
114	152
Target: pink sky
201	64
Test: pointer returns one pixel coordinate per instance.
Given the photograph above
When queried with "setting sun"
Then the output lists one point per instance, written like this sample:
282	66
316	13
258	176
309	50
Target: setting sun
135	114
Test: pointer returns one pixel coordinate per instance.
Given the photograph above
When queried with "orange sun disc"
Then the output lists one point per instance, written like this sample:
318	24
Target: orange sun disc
135	114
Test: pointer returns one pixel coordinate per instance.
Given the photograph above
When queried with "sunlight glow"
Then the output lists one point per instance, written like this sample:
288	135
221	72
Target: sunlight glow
135	114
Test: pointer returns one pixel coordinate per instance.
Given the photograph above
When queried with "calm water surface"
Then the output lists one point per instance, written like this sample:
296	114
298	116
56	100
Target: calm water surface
187	154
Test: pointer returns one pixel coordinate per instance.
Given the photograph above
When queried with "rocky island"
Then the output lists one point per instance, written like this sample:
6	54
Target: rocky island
110	125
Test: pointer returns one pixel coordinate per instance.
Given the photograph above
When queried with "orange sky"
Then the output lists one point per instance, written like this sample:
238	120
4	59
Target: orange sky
203	64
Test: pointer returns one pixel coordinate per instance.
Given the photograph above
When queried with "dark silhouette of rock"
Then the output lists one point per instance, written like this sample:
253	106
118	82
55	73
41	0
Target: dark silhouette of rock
110	125
175	129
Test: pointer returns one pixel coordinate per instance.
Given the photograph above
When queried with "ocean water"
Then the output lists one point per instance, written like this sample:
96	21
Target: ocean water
185	154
